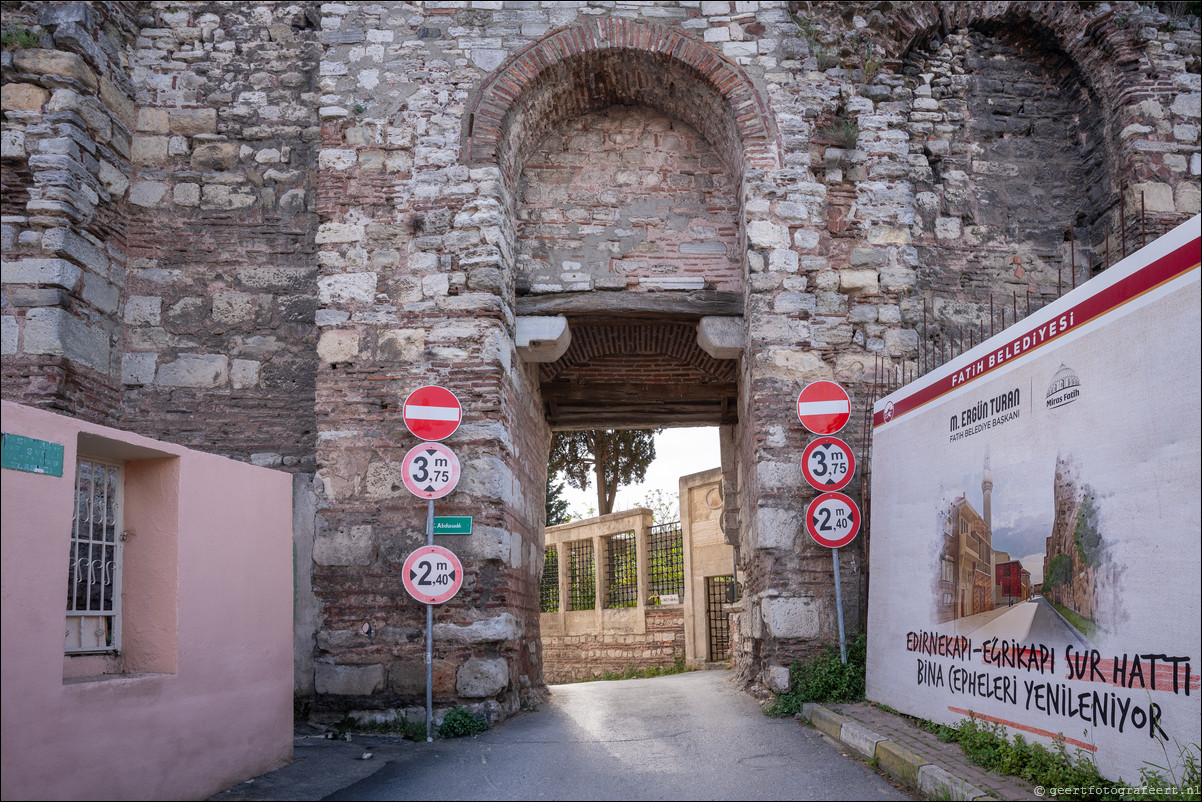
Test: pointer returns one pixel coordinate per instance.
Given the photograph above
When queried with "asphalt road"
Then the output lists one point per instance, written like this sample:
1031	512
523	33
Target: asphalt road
688	736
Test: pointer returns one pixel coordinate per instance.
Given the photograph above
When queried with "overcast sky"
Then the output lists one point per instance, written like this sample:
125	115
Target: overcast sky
678	452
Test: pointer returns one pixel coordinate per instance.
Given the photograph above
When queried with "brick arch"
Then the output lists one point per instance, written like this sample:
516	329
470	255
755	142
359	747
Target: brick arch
675	342
608	61
1104	52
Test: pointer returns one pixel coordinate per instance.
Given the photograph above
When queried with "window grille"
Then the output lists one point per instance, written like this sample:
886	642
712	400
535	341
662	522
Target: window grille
582	574
719	591
94	571
549	593
665	559
621	571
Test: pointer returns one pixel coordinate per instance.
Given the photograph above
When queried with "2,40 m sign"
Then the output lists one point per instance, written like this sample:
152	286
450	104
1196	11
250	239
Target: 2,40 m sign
432	574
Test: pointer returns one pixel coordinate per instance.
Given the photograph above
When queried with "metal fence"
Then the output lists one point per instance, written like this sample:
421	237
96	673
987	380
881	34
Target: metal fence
549	592
665	560
582	576
621	571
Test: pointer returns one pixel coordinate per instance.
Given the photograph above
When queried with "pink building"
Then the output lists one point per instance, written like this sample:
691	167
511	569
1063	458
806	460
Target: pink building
147	615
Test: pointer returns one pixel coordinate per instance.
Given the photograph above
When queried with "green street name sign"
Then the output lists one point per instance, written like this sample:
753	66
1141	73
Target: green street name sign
452	524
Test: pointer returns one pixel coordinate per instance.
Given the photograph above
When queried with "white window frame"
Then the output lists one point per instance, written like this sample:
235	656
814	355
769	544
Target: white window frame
93	618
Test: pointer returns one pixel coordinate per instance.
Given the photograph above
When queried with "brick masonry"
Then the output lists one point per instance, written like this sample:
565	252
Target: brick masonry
253	228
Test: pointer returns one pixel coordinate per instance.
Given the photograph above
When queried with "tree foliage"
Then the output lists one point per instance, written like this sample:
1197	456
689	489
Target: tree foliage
606	457
556	505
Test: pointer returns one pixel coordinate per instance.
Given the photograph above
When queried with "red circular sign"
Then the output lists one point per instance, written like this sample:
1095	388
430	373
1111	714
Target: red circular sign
432	412
833	520
823	407
828	464
430	470
432	574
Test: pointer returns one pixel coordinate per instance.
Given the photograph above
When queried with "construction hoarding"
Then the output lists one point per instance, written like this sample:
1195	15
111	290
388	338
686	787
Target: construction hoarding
1039	567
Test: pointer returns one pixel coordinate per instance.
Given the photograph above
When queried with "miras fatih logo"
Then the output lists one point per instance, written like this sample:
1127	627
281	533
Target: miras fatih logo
1064	389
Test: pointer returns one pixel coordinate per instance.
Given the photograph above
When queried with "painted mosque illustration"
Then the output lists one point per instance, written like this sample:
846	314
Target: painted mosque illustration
973	577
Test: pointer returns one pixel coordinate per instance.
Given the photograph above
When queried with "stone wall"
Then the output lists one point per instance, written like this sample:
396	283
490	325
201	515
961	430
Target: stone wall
573	658
253	228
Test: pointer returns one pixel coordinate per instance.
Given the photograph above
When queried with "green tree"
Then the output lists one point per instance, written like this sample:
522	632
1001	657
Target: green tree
606	457
557	505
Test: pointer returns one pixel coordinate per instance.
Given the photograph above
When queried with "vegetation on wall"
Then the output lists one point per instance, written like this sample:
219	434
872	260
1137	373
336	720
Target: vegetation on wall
824	679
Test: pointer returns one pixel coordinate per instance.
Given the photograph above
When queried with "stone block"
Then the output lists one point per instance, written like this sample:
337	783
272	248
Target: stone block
55	331
860	739
938	783
214	156
791	617
138	368
479	678
346	288
225	198
763	234
244	373
542	338
148	149
825	720
947	227
12	145
402	345
792	364
186	194
143	310
56	272
722	337
854	282
1154	196
9	329
504	627
340	680
338	346
783	259
899	761
195	370
23	97
328	233
231	308
348	545
55	62
1188	198
147	193
777	678
277	279
777	529
190	122
101	294
1187	105
112	179
66	243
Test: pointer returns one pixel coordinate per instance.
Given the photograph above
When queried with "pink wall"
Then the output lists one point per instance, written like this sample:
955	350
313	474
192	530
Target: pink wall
204	699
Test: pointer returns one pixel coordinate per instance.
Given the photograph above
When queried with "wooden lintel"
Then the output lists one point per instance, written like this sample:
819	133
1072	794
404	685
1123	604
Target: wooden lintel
657	305
649	395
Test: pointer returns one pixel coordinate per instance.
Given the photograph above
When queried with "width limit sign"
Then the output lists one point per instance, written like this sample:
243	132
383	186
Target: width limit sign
833	520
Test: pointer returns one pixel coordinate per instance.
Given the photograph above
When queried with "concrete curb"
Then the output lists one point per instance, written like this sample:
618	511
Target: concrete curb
902	764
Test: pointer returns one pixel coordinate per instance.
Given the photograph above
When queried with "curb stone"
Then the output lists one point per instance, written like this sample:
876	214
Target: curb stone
901	763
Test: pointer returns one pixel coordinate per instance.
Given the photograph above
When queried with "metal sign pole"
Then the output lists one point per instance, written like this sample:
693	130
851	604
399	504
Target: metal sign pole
839	607
430	634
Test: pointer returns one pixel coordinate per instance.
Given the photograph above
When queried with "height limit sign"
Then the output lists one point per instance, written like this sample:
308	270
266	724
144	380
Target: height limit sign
833	520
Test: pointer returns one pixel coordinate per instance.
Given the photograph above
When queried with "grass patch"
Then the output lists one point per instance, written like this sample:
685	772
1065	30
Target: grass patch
459	721
824	679
989	746
1088	628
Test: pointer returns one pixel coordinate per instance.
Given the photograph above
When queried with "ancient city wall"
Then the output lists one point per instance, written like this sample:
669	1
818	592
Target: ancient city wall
252	228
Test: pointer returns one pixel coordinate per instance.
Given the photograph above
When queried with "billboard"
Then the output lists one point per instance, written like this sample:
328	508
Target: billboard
1036	506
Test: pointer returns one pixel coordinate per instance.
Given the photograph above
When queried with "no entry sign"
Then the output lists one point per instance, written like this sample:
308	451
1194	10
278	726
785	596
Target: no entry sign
823	407
432	412
432	574
833	520
828	463
430	470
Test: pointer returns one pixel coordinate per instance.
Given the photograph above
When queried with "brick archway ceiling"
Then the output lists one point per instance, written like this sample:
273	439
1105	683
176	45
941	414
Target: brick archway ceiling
637	374
609	61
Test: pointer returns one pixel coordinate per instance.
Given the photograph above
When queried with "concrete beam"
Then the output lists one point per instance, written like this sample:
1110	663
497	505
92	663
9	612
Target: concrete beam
721	337
542	338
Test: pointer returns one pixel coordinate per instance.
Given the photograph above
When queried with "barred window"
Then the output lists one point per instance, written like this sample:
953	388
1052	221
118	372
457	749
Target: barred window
621	571
582	575
549	593
665	560
94	571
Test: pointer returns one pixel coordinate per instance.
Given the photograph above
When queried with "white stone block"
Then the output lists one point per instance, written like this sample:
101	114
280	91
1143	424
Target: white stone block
791	617
346	288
